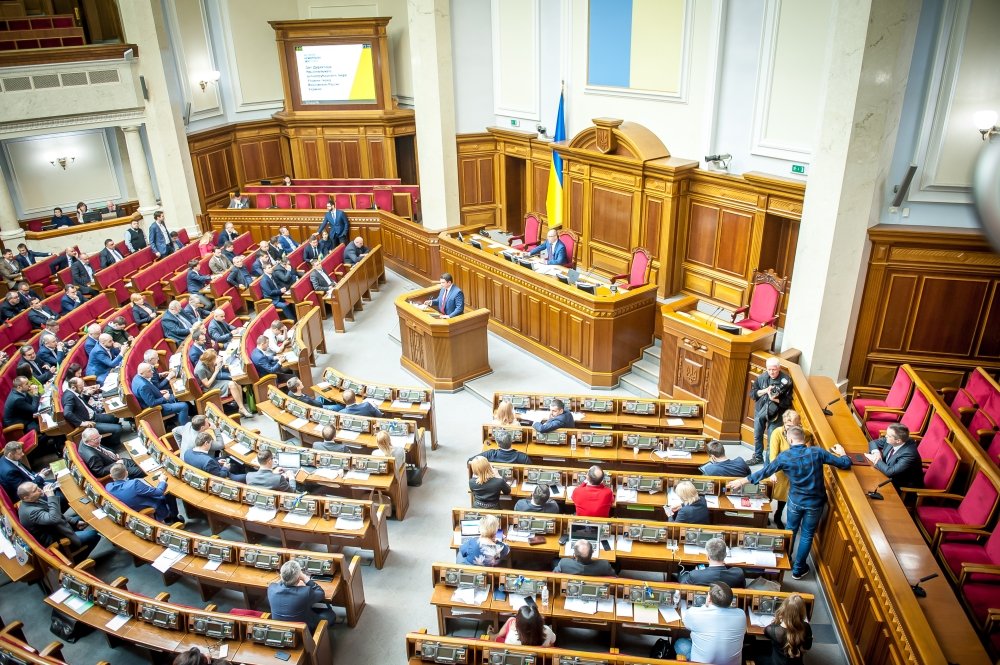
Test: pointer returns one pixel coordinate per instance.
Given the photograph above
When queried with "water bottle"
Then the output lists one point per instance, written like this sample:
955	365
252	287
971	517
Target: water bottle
545	596
572	444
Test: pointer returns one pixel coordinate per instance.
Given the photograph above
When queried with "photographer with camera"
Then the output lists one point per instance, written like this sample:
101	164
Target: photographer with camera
772	392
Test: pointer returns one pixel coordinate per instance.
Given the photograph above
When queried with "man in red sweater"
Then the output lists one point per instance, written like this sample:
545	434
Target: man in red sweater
593	498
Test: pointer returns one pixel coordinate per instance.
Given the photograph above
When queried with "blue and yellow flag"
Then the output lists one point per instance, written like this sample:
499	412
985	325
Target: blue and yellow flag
554	196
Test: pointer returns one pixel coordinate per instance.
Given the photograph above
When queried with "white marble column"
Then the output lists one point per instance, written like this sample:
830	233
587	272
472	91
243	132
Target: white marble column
10	231
144	26
140	171
872	46
434	102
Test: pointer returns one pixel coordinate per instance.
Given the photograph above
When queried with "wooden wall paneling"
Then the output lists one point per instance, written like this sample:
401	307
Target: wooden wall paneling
376	157
703	230
479	190
733	242
930	300
311	164
512	173
539	186
611	219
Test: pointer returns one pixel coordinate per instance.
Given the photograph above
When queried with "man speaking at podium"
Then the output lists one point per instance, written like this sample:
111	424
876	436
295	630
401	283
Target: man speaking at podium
450	301
556	250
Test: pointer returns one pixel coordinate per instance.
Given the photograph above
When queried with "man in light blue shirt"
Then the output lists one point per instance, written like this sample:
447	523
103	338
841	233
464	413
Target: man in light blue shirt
717	630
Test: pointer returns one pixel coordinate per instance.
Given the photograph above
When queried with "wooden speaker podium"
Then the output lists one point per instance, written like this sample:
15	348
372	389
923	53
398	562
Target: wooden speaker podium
443	352
699	360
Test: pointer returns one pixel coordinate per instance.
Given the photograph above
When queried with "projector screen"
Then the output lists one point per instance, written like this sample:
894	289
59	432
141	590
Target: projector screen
335	74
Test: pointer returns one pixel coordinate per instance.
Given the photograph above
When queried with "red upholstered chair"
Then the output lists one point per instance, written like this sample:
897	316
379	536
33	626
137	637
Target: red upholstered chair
981	598
240	612
763	308
382	198
262	201
283	200
963	405
343	201
363	201
303	201
959	556
896	397
982	427
569	239
532	236
914	417
939	476
975	509
979	386
992	407
933	439
994	450
638	269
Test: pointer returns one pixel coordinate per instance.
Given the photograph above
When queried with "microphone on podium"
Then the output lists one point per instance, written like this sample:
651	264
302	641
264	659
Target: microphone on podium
826	409
875	494
918	590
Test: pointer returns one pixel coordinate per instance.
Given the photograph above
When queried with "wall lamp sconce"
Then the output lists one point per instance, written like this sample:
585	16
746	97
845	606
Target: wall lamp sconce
62	161
208	77
986	123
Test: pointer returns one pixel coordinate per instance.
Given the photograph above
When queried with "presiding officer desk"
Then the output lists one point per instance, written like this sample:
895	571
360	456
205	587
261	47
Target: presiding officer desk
594	337
621	604
868	553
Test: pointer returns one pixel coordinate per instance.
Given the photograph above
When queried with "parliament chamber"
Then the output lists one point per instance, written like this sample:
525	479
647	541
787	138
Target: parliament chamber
305	301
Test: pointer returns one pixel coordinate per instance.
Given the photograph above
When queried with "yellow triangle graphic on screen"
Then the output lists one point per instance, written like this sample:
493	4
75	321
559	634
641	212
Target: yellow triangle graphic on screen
363	87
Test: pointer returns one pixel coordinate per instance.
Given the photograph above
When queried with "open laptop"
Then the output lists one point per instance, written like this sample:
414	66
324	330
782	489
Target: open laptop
470	528
289	460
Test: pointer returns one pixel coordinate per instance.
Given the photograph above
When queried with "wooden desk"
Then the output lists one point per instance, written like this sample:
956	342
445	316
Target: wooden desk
698	360
604	412
445	353
593	337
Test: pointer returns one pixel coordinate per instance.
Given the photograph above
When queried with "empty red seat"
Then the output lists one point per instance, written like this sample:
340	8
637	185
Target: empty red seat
975	509
914	417
994	449
984	550
303	201
343	201
981	426
940	474
282	201
979	386
262	201
363	201
896	397
933	439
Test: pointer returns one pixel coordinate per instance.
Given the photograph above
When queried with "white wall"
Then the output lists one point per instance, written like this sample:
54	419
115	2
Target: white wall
472	37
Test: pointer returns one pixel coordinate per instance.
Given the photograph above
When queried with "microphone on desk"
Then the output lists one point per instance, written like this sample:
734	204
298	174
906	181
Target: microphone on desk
715	314
875	494
918	590
826	409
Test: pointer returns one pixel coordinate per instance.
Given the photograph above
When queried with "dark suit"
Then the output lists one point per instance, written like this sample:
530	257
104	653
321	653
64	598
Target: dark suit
12	474
30	258
454	302
47	356
903	466
141	315
353	253
63	220
194	353
76	412
36	370
45	520
693	513
220	332
148	395
268	480
294	603
226	236
238	277
556	253
174	328
275	252
67	304
39	317
309	253
19	409
272	291
337	221
564	419
734	577
109	257
319	280
285	277
210	465
9	311
83	276
196	281
265	364
159	239
102	361
137	495
362	408
99	461
27	297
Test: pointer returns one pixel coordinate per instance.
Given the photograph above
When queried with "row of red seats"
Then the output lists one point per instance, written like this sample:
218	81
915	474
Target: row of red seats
345	201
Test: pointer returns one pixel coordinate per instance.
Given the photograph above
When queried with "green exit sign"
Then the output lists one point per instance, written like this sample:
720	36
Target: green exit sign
799	169
514	122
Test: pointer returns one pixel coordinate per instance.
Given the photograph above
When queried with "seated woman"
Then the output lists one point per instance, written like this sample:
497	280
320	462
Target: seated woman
485	550
526	628
325	243
386	449
207	370
142	312
790	634
486	484
504	415
777	445
206	244
692	509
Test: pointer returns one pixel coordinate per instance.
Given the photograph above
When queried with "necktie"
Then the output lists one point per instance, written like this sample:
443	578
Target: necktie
444	300
184	321
90	411
115	255
24	470
889	454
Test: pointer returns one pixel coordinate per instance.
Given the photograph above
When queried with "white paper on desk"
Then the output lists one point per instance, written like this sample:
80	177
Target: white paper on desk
470	596
662	454
347	434
570	490
675	422
646	613
99	514
47	420
223	651
626	495
512	483
693	550
256	514
297	518
516	601
6	548
289	357
149	465
623	544
761	620
77	604
517	536
330	474
673	499
425	406
528	487
136	448
402	441
348	523
739	555
175	361
62	473
606	605
241	448
457	539
757	504
298	423
357	475
623	608
167	559
117	622
318	427
212	565
397	404
712	501
678	454
59	595
669	614
581	606
322	385
766	559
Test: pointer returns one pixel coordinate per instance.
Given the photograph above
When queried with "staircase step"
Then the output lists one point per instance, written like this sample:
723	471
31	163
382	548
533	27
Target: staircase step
638	386
646	370
652	354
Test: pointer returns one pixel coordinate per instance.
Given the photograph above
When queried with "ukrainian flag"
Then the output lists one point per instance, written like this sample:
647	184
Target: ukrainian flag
554	197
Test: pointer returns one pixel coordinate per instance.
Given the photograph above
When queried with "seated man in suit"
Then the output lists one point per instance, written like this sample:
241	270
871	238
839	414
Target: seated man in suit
138	494
201	457
896	456
117	328
26	294
237	201
311	250
160	380
583	563
175	325
99	459
22	404
199	344
104	357
219	263
239	277
229	251
196	282
71	299
187	435
14	469
328	444
41	514
319	280
221	331
717	570
284	275
354	251
92	337
353	407
10	268
109	255
266	364
504	453
83	274
268	476
556	250
11	306
294	389
78	413
29	257
51	351
272	291
175	241
195	310
285	240
39	314
274	249
148	395
60	220
720	465
292	598
450	301
558	418
540	502
41	372
228	234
